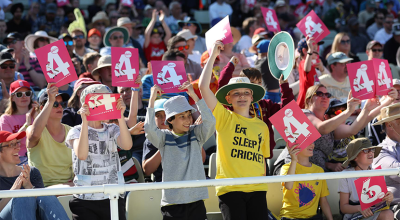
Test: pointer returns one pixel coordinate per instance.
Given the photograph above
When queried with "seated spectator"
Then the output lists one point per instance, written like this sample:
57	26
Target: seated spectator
17	24
128	24
361	154
90	63
342	43
192	68
392	45
154	44
46	140
100	21
384	34
79	40
49	22
28	66
85	141
14	177
378	24
175	9
219	9
37	40
32	15
367	14
115	37
94	39
374	50
151	161
249	25
358	40
70	114
195	28
20	113
191	41
7	76
103	72
306	206
227	53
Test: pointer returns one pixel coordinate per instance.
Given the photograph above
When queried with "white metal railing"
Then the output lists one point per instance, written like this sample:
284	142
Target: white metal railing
113	190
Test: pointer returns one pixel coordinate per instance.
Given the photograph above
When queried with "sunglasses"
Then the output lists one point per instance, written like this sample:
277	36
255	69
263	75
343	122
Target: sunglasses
70	43
186	47
368	150
5	66
380	18
12	42
389	22
20	94
117	37
42	39
345	41
100	24
15	145
321	94
62	104
377	50
78	37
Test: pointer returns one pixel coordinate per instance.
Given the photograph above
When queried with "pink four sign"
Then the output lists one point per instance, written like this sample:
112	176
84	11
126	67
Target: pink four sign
102	106
383	75
169	75
311	25
221	31
271	20
294	126
61	3
125	66
128	3
56	63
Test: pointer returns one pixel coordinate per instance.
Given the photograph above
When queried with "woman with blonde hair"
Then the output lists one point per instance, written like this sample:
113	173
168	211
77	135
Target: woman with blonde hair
342	43
20	113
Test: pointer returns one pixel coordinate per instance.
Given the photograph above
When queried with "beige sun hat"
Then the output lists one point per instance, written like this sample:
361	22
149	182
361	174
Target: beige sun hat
124	20
30	39
388	113
187	34
356	146
100	16
104	61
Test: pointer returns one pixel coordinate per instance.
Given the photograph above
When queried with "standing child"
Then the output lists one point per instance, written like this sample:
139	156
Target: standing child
243	143
181	152
301	198
361	154
95	159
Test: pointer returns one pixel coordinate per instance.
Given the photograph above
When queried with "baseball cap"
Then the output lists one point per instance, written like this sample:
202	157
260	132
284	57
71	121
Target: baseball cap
371	3
372	43
303	44
338	57
95	88
396	81
335	103
94	31
6	56
45	96
396	28
260	31
159	105
81	81
262	47
6	136
14	36
280	3
14	86
205	56
51	8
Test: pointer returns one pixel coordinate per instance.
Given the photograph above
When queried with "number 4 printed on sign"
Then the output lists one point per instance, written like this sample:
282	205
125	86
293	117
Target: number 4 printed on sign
129	71
173	77
312	27
367	83
270	20
54	57
301	128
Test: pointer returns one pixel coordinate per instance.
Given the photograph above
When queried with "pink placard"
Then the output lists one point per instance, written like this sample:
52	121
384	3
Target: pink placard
61	3
311	25
383	76
271	20
300	10
294	126
362	79
320	2
56	64
221	31
102	106
124	67
169	75
128	3
250	3
370	190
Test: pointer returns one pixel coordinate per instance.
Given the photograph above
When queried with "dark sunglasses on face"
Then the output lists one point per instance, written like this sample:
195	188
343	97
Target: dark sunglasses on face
188	24
369	150
377	50
345	41
389	22
186	47
62	104
42	39
70	43
12	42
101	24
78	37
20	94
5	66
321	94
117	37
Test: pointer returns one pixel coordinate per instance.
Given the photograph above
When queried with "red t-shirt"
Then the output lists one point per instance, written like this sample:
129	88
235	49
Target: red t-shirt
155	51
306	81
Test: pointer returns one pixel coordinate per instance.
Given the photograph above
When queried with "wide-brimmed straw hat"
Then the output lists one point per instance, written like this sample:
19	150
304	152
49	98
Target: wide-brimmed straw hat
356	146
30	39
388	113
100	16
237	83
104	61
122	29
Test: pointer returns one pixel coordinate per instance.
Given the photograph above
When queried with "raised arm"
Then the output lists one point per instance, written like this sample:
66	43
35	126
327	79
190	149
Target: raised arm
168	33
155	135
307	63
149	29
124	140
205	77
132	117
227	72
151	165
292	168
81	145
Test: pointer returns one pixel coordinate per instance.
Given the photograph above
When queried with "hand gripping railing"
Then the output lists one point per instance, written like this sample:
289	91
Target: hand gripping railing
113	190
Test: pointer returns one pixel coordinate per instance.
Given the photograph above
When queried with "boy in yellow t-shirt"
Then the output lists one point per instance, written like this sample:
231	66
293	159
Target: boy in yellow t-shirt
243	143
301	199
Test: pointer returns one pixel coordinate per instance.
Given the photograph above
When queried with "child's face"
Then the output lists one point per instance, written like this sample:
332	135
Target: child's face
256	81
155	39
308	151
365	158
182	122
240	98
160	119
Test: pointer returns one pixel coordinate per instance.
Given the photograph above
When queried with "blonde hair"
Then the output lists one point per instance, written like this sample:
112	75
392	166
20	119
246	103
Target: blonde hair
310	93
336	43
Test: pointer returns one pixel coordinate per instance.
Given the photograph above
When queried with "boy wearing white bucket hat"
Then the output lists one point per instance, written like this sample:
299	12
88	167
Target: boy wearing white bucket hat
243	143
181	152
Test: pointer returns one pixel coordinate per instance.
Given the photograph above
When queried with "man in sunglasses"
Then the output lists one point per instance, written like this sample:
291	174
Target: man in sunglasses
194	27
192	68
46	139
79	40
70	44
392	45
7	76
378	24
384	34
374	50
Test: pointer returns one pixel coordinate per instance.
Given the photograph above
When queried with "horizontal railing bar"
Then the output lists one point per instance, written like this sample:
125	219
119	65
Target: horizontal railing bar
115	188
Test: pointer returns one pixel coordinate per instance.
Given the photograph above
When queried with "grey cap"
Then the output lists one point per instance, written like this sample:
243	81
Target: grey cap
396	29
95	88
176	105
51	8
338	57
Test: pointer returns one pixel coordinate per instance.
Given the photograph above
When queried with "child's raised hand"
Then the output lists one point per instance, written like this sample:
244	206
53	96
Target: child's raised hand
84	111
293	152
218	46
234	60
393	94
281	80
162	16
121	106
137	129
352	103
139	80
154	14
310	42
154	91
187	85
367	213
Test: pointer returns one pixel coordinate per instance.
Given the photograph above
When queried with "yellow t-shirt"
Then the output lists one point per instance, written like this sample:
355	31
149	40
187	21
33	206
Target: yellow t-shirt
243	145
302	200
52	158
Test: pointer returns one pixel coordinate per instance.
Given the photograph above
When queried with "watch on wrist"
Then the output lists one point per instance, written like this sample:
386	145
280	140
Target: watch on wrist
135	89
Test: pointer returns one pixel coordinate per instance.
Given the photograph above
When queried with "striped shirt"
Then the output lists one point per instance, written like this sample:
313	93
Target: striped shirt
24	71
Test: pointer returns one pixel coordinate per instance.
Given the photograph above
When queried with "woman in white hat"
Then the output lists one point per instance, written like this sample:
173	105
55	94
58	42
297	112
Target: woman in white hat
38	40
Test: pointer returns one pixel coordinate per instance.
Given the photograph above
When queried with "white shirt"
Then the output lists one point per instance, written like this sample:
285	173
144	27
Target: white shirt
219	11
382	37
244	43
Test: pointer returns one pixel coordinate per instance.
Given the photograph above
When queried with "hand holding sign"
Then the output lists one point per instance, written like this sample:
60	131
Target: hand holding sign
311	25
271	20
104	106
221	31
125	66
294	126
169	75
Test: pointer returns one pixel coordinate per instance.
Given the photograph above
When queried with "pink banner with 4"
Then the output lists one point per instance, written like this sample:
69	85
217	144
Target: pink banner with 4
294	126
362	79
128	3
169	75
56	63
271	20
221	31
383	76
102	106
61	3
124	67
311	25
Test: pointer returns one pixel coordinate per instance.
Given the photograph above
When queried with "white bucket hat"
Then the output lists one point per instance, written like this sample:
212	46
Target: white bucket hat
95	88
187	35
176	105
30	39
